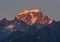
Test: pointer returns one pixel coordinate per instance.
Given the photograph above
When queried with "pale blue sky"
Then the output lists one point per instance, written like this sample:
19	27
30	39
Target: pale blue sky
10	8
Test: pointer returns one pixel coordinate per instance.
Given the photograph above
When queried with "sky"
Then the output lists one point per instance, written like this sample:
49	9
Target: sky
10	8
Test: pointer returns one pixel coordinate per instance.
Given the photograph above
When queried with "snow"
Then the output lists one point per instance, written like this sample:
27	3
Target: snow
10	26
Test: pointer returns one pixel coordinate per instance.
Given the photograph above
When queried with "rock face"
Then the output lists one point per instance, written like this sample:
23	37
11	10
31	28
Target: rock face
34	16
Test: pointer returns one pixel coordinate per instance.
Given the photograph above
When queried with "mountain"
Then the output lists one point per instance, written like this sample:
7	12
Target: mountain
30	26
34	16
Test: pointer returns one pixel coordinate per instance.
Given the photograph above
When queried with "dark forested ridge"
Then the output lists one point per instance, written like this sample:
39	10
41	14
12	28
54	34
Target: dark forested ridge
23	32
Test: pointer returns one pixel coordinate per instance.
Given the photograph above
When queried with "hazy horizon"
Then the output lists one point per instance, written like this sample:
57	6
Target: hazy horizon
10	8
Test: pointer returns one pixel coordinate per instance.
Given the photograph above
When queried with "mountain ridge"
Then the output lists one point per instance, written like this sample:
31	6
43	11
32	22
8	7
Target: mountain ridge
30	17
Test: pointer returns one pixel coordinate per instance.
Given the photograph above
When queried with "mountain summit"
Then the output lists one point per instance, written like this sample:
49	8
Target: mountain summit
34	16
